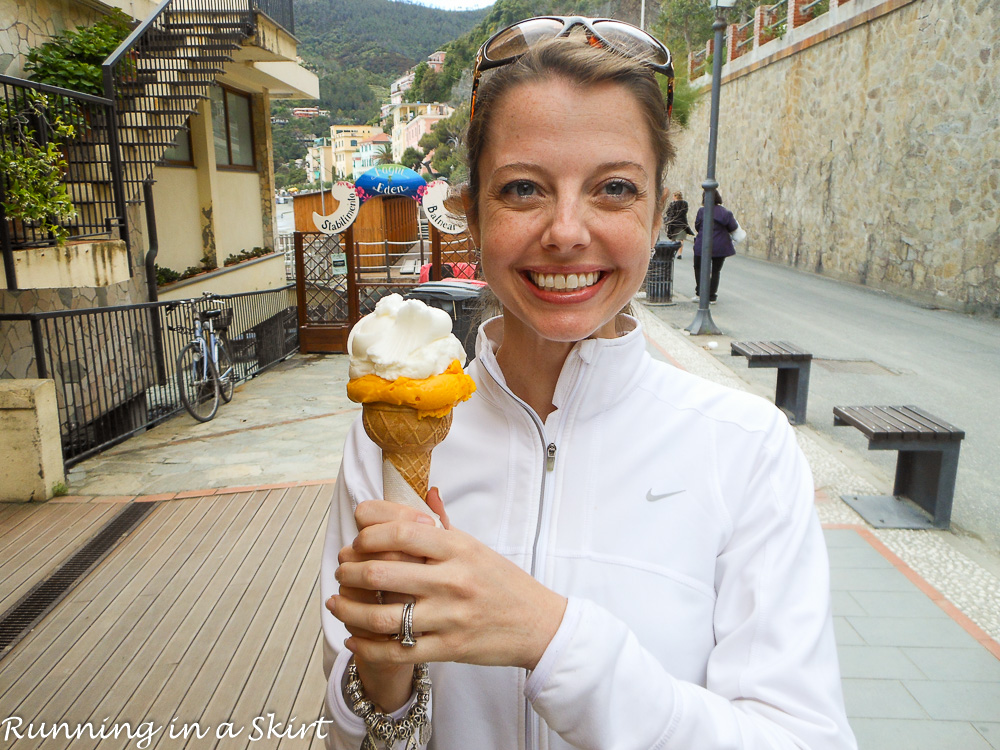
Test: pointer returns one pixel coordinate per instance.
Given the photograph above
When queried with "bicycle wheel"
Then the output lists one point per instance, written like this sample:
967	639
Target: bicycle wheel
227	372
198	385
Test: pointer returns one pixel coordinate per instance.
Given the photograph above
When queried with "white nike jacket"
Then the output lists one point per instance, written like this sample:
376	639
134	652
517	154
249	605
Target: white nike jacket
677	517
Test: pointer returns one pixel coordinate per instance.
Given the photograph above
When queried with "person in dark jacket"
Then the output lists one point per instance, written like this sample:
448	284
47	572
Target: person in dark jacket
722	245
675	223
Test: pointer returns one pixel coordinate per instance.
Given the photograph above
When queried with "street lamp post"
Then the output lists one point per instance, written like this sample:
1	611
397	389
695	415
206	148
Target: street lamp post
703	323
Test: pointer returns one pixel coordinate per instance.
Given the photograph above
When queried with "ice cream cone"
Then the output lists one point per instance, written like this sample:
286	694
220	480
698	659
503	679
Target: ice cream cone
406	439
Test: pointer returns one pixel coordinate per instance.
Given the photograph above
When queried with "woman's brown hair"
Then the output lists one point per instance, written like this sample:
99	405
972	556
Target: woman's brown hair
584	65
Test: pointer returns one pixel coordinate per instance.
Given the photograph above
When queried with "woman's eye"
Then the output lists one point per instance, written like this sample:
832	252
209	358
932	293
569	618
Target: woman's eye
520	189
619	188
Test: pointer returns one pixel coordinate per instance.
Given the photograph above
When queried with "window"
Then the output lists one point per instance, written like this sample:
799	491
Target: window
233	128
179	154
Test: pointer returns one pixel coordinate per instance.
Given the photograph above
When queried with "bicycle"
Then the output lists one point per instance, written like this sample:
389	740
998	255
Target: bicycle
205	370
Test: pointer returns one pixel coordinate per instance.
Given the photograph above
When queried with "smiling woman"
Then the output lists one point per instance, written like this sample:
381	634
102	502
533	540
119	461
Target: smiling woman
630	557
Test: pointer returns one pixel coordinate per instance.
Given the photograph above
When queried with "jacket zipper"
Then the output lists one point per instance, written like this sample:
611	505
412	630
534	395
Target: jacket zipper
550	465
550	462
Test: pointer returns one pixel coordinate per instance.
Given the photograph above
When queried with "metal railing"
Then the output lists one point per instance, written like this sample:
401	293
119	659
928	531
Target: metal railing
774	21
162	70
744	37
35	116
114	367
152	84
699	64
281	11
816	8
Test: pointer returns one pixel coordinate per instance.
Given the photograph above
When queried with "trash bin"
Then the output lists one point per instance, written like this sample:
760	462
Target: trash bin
460	299
660	275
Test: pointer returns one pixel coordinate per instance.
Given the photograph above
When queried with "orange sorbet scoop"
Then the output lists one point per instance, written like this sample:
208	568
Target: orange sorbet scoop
431	397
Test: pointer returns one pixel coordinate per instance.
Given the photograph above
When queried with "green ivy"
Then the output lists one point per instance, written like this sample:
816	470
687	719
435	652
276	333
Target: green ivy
72	59
32	170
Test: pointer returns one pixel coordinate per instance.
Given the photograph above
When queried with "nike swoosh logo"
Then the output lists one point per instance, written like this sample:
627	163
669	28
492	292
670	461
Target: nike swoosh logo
653	498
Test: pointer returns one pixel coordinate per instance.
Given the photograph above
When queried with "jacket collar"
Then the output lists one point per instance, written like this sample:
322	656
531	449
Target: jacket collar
597	372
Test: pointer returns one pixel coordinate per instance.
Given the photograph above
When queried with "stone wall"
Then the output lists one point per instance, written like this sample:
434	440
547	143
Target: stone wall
872	156
25	24
16	352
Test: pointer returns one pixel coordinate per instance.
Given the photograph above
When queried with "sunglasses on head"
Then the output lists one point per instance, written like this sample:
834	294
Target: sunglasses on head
509	44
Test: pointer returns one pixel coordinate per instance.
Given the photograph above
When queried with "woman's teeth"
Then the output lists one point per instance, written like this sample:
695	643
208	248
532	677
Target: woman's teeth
568	281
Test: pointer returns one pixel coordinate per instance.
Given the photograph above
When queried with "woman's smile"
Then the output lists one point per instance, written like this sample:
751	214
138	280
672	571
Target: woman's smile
564	282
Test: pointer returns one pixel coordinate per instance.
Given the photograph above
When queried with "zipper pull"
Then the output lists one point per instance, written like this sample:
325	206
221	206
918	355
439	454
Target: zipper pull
550	457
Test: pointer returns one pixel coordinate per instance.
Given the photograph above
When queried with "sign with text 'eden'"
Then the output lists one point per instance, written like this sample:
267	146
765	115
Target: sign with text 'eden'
389	181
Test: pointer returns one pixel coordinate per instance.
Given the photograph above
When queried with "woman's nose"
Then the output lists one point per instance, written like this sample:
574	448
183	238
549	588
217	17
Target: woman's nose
567	228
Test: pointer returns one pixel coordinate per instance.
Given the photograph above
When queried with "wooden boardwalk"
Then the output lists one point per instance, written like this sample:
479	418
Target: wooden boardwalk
207	612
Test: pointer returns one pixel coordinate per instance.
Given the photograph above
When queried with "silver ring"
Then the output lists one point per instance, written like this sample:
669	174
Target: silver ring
378	596
406	627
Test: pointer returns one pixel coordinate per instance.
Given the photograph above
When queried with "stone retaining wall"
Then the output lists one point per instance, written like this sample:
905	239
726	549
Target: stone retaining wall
26	24
870	157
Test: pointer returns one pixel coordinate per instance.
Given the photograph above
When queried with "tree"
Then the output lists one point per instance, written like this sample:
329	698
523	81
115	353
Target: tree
287	175
687	22
383	155
412	158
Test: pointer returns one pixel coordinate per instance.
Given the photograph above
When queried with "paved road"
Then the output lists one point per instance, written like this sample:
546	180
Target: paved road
870	348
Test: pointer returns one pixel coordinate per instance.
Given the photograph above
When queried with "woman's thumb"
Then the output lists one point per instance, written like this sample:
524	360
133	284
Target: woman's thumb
434	503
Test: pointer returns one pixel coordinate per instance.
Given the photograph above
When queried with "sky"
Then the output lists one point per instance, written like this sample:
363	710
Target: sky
454	4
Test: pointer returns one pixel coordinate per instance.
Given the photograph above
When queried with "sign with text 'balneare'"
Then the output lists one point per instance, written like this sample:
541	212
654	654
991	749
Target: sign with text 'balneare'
433	202
348	205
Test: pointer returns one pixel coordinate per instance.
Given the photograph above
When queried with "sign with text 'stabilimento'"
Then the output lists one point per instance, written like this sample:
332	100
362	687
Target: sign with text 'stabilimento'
348	205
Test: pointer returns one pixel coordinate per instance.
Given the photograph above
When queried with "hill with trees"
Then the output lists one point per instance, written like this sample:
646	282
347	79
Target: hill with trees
358	47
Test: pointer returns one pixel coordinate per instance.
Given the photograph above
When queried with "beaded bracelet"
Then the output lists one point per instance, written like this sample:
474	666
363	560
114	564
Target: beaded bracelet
414	729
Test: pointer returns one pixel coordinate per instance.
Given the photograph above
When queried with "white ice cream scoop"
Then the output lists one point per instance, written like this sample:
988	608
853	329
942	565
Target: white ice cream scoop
403	338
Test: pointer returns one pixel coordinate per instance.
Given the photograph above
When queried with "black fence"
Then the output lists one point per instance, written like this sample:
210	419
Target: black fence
71	134
115	367
278	10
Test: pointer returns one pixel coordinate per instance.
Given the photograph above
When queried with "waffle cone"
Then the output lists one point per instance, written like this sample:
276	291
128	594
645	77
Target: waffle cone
406	439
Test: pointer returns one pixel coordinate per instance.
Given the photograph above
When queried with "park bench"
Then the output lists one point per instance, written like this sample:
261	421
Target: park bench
792	363
925	467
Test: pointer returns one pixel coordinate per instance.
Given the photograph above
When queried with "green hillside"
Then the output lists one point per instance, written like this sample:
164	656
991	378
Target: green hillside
358	47
378	36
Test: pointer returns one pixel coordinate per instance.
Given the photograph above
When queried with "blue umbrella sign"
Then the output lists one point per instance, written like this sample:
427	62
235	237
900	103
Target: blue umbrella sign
389	180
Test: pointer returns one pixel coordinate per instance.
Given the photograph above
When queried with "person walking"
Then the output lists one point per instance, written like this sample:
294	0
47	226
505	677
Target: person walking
676	221
722	246
588	589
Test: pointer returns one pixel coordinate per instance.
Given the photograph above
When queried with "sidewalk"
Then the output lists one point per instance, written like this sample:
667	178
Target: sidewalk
190	613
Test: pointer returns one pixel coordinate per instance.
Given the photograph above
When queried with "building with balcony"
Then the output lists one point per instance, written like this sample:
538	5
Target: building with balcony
436	61
399	87
319	161
367	154
345	143
411	120
309	112
172	167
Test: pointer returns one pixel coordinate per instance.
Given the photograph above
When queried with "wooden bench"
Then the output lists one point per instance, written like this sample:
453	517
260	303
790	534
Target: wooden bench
925	467
793	365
